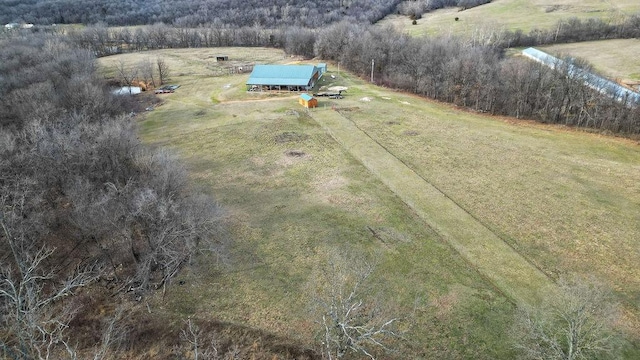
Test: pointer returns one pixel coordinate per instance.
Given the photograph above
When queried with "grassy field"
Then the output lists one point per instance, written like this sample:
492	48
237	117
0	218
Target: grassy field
568	201
478	245
616	59
511	14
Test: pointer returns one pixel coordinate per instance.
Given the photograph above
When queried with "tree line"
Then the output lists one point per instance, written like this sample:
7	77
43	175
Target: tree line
476	76
81	199
468	72
416	8
104	40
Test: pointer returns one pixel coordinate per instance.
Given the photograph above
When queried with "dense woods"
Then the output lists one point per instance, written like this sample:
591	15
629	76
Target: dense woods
261	13
272	13
81	200
415	8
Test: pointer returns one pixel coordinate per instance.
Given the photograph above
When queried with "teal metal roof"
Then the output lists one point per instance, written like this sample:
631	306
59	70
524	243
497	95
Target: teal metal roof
297	75
306	97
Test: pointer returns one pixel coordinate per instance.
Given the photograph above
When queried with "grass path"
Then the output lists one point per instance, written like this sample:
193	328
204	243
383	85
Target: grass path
494	259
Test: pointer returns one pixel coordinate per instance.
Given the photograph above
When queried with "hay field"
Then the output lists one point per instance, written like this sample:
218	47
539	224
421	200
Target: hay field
511	14
616	59
566	200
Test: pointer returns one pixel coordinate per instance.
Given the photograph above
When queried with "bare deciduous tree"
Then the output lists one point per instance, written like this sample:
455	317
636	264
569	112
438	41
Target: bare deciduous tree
203	345
163	70
350	324
574	325
127	74
146	72
113	334
192	335
30	296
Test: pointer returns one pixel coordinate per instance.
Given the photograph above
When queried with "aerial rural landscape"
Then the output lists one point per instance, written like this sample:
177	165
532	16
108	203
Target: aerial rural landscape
346	179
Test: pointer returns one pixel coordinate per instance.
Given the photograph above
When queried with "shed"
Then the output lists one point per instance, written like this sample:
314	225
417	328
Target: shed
127	90
308	101
283	77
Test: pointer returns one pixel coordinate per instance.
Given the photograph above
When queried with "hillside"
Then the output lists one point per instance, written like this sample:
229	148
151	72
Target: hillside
269	13
523	15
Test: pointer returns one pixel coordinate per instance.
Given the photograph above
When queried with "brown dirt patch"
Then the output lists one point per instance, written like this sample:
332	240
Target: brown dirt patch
295	153
290	136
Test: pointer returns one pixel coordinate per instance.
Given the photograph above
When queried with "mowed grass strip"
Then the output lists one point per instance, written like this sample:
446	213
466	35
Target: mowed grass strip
500	263
569	201
526	15
292	195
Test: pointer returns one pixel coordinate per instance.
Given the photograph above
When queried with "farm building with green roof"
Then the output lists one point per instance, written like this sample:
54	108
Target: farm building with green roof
283	77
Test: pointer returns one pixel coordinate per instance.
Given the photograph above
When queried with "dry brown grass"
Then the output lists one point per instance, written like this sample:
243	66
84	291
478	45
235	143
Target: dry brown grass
511	14
567	200
616	59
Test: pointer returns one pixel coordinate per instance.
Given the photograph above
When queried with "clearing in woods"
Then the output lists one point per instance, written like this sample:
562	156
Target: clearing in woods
566	201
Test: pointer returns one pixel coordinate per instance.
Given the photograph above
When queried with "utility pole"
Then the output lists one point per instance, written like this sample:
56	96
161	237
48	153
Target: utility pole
372	62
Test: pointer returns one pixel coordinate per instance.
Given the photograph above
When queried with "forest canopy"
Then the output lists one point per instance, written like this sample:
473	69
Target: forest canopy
191	13
265	13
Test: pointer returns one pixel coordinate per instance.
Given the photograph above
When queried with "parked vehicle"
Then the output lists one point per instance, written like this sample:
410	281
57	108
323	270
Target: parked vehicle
166	89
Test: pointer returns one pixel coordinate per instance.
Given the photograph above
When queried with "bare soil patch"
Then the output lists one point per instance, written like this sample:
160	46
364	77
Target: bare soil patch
290	136
295	153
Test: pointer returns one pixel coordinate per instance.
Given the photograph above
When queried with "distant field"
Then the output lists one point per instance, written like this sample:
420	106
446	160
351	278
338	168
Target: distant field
511	14
566	200
616	59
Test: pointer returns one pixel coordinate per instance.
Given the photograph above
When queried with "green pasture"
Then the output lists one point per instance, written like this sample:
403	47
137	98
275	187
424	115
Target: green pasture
500	15
566	201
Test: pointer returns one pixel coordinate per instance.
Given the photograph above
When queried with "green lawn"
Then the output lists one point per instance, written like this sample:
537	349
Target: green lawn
567	201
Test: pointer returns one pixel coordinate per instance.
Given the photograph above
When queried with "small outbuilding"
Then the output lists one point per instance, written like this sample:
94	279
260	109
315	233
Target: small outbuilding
127	90
308	101
322	67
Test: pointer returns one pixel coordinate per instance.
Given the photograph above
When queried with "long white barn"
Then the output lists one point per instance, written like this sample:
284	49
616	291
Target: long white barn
604	86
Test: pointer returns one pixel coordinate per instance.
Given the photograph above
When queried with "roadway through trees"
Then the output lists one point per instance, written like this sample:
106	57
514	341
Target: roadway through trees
499	263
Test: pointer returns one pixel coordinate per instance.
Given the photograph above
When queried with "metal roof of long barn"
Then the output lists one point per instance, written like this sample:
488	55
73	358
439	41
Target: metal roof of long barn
297	75
600	84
